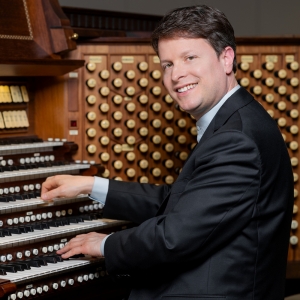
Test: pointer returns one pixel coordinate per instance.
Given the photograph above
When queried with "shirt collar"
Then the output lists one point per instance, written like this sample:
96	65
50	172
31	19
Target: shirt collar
205	120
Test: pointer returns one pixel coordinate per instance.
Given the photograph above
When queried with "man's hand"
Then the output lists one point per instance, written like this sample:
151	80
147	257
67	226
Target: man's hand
66	186
84	243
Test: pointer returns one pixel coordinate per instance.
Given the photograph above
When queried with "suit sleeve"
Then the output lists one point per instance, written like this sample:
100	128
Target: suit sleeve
133	201
216	204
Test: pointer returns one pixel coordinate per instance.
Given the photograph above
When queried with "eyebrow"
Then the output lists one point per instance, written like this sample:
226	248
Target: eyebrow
183	54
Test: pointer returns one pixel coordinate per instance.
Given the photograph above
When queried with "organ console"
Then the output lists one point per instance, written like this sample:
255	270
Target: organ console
126	126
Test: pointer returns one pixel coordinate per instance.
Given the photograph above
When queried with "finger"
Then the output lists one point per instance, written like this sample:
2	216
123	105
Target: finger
73	243
72	252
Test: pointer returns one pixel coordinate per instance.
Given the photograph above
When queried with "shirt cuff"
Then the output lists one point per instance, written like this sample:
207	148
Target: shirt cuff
100	190
103	243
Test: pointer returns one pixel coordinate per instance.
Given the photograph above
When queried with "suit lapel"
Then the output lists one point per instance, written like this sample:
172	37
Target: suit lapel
236	101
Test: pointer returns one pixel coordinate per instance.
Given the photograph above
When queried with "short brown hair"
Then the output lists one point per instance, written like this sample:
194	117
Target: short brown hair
200	21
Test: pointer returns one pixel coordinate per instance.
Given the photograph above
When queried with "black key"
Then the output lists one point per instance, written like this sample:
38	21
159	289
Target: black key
10	198
37	194
29	228
19	267
17	197
53	224
41	261
65	221
31	195
77	256
86	217
23	229
37	226
57	257
5	231
14	230
50	259
3	199
23	263
33	263
8	268
2	272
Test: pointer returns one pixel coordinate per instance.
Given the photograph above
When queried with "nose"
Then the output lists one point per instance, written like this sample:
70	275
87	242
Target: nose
178	72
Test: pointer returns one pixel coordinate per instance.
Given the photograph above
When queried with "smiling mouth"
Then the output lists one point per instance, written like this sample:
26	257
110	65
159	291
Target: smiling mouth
186	88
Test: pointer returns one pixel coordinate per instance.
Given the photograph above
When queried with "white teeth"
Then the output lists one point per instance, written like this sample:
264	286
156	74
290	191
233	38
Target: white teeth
188	87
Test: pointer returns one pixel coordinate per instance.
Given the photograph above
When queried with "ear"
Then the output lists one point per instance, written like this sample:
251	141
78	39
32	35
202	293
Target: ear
228	57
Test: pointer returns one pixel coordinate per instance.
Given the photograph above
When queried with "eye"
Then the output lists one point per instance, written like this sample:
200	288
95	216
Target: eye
166	66
190	58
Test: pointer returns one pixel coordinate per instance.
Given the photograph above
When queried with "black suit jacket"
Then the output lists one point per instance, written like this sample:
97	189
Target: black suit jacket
221	230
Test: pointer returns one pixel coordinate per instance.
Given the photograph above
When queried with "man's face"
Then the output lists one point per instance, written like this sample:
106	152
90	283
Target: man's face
193	74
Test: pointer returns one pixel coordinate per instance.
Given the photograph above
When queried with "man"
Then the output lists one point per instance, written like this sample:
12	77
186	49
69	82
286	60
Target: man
221	230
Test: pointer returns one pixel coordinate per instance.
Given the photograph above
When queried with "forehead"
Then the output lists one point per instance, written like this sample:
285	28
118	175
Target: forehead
182	46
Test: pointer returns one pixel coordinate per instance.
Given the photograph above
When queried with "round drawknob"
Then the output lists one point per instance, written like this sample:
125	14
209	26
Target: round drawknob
104	124
294	66
143	164
268	81
143	82
91	132
117	148
257	74
168	99
75	36
104	74
281	122
91	149
104	91
156	106
117	99
117	66
294	161
130	172
91	67
156	90
104	140
268	98
156	74
269	66
169	147
91	99
117	132
91	116
169	179
293	145
130	74
104	156
294	81
104	107
296	177
91	83
130	107
130	140
295	209
295	193
181	123
256	90
143	66
193	131
181	139
117	115
244	66
168	131
156	139
156	123
130	156
281	105
293	113
281	90
143	147
271	113
169	115
117	82
294	98
182	155
143	115
281	74
293	129
156	172
294	225
293	240
143	179
169	164
244	82
130	91
156	155
130	123
117	164
143	131
143	99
